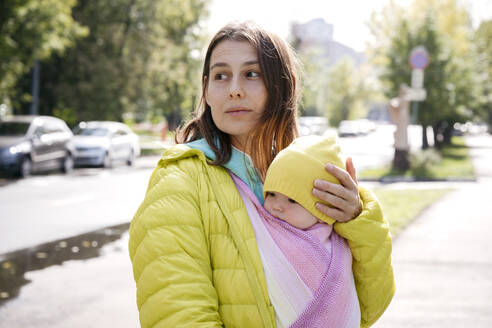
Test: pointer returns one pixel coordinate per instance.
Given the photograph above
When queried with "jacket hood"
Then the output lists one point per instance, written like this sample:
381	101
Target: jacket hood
239	164
180	151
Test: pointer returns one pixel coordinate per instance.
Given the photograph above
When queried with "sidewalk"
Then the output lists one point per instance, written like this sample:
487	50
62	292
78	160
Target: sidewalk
442	261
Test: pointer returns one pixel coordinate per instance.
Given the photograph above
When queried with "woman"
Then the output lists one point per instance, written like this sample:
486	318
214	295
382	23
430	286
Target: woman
195	258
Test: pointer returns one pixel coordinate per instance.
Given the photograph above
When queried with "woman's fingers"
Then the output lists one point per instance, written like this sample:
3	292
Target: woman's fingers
333	200
334	213
340	209
332	188
344	199
342	176
349	164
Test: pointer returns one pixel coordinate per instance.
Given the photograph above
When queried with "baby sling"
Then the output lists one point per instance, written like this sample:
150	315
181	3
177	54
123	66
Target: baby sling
310	283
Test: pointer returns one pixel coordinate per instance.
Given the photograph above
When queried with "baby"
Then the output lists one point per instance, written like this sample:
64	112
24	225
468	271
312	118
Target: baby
290	178
288	197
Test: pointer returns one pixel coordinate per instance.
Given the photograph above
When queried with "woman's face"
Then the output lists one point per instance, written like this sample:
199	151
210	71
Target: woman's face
236	92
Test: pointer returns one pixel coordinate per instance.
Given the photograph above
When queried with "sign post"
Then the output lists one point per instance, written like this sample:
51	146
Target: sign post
398	107
419	60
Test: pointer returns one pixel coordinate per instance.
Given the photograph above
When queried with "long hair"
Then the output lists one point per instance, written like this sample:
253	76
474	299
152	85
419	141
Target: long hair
277	126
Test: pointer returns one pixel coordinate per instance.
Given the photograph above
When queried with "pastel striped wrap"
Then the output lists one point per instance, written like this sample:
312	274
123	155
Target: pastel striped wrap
310	282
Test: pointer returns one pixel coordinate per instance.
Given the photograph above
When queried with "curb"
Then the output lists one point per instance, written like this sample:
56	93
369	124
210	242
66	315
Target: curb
394	179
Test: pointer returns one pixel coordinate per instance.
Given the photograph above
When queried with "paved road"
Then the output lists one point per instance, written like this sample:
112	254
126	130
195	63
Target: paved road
376	149
44	208
443	263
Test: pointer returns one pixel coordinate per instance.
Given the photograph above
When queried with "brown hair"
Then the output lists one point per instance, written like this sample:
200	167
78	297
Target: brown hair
277	127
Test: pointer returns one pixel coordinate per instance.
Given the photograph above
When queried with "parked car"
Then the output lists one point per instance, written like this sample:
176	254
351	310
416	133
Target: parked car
360	127
34	143
101	143
312	125
349	128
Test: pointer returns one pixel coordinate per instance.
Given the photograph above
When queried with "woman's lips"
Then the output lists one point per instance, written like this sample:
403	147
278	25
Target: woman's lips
236	111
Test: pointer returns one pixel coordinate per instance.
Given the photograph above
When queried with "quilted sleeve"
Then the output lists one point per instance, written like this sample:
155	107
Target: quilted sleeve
170	252
369	240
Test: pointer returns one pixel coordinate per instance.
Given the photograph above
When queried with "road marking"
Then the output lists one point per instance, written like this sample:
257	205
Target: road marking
72	200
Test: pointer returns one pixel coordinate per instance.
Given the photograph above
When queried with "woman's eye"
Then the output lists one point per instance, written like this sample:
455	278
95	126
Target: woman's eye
220	76
292	201
271	194
252	74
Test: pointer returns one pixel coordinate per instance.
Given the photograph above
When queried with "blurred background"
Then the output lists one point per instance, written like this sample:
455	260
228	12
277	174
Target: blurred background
92	91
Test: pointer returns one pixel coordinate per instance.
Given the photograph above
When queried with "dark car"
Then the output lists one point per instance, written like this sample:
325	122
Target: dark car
33	144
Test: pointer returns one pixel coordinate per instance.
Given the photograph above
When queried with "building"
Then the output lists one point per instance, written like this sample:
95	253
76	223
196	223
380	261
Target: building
317	34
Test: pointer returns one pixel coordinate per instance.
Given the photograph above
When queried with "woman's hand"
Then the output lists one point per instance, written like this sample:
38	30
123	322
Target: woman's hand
343	198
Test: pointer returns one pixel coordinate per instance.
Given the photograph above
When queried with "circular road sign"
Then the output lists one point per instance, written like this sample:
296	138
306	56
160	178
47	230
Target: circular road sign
419	58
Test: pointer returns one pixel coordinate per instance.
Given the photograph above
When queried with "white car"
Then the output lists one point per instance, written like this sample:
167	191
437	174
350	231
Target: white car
101	143
312	125
349	128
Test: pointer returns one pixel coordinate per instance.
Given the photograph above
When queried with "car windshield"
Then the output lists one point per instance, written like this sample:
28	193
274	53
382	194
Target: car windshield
13	128
97	132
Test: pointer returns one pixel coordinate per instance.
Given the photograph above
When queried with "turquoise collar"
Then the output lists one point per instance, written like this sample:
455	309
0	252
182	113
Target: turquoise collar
240	164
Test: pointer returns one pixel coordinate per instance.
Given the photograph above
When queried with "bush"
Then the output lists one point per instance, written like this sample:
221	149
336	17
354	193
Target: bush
422	161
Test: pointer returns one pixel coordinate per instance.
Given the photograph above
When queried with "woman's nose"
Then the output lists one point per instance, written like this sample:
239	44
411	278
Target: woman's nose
235	90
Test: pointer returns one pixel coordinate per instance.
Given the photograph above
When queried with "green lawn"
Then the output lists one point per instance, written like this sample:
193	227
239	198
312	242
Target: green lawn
453	162
401	206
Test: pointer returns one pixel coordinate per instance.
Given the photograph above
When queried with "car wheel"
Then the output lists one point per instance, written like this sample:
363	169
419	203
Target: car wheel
67	165
107	163
25	167
131	159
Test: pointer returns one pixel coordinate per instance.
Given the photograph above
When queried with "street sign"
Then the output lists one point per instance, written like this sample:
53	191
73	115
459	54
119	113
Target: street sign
417	78
416	94
419	58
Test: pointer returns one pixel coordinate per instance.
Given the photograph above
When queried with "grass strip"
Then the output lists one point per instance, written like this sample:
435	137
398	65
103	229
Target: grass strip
401	206
454	163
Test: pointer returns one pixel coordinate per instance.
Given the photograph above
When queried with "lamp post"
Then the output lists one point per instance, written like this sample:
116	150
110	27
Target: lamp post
35	88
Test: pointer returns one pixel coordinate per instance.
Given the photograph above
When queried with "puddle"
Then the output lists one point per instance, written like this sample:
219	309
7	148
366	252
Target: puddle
14	265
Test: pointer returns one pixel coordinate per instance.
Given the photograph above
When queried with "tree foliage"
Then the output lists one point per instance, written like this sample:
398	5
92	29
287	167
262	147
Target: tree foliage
346	92
444	29
482	42
29	30
140	60
338	92
314	82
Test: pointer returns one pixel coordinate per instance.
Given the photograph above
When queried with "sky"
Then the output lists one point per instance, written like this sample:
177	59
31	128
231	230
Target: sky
349	17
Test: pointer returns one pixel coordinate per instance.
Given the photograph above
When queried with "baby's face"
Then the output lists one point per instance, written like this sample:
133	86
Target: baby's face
289	210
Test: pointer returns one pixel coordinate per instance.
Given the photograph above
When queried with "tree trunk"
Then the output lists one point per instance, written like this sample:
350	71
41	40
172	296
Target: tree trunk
447	134
400	161
437	136
425	142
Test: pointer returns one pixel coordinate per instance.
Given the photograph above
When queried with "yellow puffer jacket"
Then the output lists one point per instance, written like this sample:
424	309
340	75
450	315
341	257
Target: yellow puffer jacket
195	257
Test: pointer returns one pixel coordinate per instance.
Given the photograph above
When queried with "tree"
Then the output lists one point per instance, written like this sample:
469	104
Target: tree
315	75
29	30
338	92
138	60
482	42
342	92
442	27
